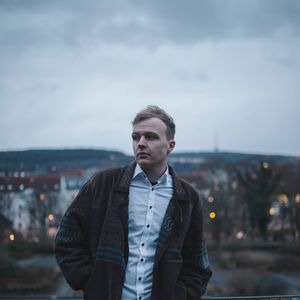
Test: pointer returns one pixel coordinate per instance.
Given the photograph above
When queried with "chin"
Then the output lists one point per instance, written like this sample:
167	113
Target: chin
143	162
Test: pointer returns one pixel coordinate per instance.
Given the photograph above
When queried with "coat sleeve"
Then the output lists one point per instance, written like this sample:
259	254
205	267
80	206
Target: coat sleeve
196	271
71	247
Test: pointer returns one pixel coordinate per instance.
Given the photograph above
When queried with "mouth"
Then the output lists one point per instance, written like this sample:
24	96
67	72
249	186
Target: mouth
142	154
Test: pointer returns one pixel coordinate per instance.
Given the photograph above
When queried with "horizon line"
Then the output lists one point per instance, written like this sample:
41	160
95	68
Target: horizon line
125	153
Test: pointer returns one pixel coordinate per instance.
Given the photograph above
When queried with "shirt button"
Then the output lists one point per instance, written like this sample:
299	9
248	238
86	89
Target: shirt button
142	259
143	244
152	189
148	226
140	297
140	278
150	207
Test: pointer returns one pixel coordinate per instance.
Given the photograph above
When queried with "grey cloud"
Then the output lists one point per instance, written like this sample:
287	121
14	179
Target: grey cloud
142	22
196	20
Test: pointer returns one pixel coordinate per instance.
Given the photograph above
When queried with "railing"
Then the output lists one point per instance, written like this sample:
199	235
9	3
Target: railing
283	297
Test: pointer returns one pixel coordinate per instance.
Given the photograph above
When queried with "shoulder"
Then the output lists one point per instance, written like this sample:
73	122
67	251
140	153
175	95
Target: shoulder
185	189
189	189
105	176
108	173
113	177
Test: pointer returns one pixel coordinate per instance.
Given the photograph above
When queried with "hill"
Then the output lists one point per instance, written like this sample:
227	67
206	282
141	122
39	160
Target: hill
45	161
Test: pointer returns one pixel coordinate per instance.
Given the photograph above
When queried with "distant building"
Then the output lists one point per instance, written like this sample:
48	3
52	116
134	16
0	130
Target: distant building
35	204
6	228
20	205
71	182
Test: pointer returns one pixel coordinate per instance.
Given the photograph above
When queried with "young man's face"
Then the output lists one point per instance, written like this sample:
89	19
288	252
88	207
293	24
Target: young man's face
151	146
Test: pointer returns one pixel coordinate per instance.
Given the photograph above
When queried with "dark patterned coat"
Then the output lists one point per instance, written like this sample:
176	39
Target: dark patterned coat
91	245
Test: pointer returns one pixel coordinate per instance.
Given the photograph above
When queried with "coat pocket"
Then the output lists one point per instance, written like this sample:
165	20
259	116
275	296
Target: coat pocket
105	282
179	292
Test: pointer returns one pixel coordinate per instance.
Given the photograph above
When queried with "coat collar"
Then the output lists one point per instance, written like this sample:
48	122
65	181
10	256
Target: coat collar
126	177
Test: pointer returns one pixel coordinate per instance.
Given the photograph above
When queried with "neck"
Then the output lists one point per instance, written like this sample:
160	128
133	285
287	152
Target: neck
154	173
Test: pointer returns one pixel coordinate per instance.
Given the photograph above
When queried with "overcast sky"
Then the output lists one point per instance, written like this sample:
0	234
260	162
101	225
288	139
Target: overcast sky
74	73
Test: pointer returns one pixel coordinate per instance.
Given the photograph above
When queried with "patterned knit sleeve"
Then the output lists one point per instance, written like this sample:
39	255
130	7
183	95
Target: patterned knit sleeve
72	249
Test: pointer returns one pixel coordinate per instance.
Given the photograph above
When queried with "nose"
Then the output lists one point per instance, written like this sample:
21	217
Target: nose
141	142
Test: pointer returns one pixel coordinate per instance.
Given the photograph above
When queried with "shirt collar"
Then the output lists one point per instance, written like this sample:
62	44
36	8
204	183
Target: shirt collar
138	171
165	177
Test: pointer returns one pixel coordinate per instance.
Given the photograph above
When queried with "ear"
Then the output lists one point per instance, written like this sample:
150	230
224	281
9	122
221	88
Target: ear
172	144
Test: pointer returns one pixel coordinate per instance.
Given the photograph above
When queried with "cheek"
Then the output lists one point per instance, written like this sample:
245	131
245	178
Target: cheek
134	147
162	150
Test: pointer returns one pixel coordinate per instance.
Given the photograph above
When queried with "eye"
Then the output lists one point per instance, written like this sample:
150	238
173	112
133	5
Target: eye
135	137
151	136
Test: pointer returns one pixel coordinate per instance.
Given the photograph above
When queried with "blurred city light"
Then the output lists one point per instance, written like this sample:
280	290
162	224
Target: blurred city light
50	217
272	211
240	235
283	199
297	198
11	237
212	215
265	165
43	196
210	199
52	232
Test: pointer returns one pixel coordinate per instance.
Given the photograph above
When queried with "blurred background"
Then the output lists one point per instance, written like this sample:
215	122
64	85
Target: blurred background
72	77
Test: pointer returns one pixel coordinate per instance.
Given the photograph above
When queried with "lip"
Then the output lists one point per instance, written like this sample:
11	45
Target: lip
142	154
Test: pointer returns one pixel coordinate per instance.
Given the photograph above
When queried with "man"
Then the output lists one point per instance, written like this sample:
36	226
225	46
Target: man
136	232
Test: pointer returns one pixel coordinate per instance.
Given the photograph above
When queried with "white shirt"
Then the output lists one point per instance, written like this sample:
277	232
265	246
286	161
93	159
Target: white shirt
147	206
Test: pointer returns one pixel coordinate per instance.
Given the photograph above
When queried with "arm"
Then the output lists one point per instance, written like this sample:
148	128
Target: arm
196	271
71	248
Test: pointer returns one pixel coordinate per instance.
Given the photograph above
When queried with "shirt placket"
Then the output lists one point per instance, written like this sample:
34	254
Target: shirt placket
145	245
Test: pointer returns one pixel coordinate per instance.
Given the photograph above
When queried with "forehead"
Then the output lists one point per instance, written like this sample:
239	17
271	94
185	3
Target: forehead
150	125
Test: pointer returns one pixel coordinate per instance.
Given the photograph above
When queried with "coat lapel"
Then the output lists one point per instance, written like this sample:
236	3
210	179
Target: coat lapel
168	228
172	218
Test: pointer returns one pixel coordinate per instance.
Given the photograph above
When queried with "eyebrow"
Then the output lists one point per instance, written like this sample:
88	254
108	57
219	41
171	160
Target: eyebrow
144	132
134	133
